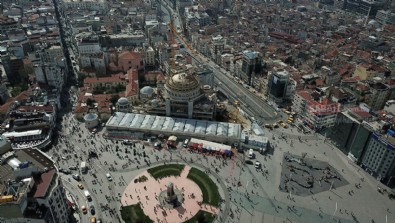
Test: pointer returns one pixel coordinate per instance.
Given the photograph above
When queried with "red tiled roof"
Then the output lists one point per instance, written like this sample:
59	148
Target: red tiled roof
132	87
352	79
47	108
22	96
160	77
129	55
319	82
361	113
42	184
363	87
116	78
323	107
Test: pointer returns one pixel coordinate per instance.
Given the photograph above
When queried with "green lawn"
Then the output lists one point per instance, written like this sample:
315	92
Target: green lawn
202	217
134	214
207	186
166	170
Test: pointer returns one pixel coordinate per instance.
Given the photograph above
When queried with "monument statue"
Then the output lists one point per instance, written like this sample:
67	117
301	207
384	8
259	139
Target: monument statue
171	197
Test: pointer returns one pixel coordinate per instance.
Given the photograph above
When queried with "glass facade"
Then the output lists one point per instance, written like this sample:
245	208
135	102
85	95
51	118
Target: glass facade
360	142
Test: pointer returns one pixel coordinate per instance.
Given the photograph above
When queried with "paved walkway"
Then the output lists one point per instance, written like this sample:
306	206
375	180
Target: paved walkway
147	193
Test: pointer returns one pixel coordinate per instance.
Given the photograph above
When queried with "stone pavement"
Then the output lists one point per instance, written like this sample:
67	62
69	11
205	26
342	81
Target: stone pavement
147	193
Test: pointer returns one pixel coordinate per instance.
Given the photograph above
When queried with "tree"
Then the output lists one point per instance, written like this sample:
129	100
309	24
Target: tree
114	98
16	91
98	90
90	102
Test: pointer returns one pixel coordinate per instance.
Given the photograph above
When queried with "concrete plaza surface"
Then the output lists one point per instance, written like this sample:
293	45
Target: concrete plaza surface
249	195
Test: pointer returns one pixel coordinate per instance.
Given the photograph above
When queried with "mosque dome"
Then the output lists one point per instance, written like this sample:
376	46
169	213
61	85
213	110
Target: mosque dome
123	101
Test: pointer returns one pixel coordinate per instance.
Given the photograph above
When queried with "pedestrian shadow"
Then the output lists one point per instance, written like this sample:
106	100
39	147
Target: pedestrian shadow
181	210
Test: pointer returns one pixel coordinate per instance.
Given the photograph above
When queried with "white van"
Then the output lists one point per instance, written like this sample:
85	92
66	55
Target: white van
186	142
108	175
251	154
87	195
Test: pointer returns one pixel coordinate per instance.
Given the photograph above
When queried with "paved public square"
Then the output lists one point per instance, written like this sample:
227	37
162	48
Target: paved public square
249	195
147	195
307	176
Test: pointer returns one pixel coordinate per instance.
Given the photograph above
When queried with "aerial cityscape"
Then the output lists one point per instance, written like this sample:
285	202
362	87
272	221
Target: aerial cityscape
197	111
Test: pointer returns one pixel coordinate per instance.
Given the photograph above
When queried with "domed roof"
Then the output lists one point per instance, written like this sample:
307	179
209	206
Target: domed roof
122	101
182	82
90	117
147	90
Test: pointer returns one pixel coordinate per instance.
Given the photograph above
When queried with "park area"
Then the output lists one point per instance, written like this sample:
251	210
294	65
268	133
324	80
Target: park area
163	171
134	214
207	186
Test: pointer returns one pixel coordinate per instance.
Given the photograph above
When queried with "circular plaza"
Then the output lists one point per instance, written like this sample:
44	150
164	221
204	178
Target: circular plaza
170	193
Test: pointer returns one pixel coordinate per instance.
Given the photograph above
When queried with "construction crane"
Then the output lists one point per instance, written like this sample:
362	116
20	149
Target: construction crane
173	50
184	41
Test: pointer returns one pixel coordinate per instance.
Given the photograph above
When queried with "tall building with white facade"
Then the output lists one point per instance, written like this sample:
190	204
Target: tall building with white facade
149	56
217	47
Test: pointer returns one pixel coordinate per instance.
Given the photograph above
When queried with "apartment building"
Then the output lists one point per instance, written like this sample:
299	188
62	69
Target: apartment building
94	5
217	47
280	86
379	158
31	189
149	56
385	17
317	111
53	76
252	63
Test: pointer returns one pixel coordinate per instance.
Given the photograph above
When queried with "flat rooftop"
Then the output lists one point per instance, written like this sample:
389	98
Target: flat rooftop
37	161
202	128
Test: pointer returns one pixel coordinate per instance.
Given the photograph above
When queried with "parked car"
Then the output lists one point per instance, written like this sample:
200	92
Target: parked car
257	164
127	142
108	175
249	162
92	208
251	154
65	171
73	168
76	177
